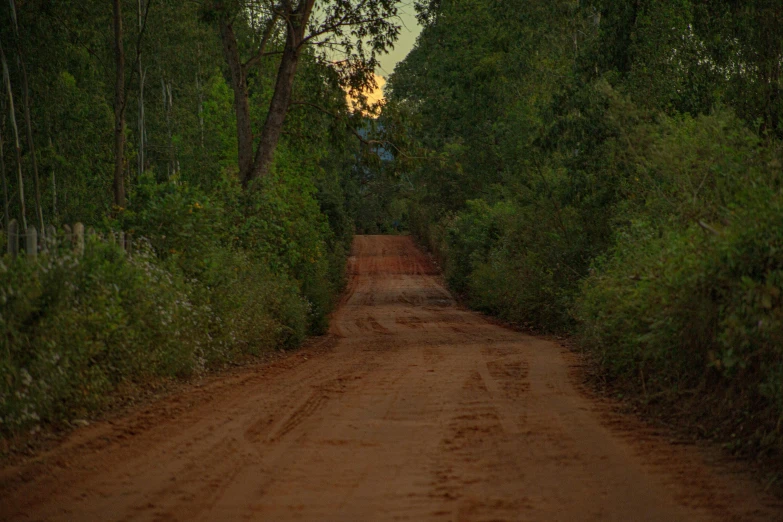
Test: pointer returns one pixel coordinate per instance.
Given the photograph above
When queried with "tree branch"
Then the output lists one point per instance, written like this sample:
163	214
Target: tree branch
264	41
382	143
328	29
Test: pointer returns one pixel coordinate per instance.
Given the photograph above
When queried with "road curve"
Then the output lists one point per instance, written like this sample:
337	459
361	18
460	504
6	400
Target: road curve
412	409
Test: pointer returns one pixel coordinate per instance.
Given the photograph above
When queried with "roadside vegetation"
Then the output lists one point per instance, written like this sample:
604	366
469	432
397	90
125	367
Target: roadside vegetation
606	169
612	170
216	137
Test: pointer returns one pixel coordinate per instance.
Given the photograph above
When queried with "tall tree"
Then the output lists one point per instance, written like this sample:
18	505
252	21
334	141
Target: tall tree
119	107
6	217
349	34
17	148
27	119
141	127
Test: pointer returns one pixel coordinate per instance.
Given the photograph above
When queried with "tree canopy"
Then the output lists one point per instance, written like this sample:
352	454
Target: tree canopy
611	170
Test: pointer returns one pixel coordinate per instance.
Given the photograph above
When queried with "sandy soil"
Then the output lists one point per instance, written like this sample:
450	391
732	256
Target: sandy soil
412	409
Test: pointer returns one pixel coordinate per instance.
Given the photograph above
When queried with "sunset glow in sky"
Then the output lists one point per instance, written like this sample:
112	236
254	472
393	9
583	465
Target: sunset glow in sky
408	33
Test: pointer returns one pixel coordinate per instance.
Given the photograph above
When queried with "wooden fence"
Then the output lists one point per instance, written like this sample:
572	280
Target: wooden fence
33	242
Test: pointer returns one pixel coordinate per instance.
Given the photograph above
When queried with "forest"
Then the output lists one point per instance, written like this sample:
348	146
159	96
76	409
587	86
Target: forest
606	170
611	171
163	121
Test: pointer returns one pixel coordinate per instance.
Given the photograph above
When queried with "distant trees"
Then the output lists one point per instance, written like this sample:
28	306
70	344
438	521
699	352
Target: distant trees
17	147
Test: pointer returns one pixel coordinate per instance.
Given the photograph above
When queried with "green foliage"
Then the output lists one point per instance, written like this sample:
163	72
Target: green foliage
75	327
528	274
219	133
378	206
682	55
470	237
678	311
225	273
688	169
209	286
611	169
253	306
251	309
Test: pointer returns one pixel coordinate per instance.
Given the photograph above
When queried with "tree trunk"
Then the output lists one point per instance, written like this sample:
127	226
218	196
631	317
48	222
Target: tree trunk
200	99
17	148
142	123
281	99
172	147
54	183
6	218
119	109
27	119
241	101
273	126
142	131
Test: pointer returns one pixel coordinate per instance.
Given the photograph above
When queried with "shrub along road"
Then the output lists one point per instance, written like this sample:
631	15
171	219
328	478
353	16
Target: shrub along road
411	409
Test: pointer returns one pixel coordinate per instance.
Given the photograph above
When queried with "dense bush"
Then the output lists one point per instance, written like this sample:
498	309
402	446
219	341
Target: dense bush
75	327
612	171
206	286
691	310
227	270
652	236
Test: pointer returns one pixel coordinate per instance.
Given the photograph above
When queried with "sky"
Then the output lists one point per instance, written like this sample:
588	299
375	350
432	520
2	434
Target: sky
409	31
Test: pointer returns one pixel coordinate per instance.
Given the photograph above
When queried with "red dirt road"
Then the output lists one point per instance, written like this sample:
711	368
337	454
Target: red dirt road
413	409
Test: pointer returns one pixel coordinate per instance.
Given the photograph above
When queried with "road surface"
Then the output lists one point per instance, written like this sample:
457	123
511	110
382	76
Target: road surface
412	409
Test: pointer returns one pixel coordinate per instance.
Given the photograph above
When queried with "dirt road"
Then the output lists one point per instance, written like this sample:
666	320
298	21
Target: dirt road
415	410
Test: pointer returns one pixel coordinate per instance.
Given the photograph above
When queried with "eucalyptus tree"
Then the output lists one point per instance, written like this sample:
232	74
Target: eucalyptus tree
688	55
745	43
119	106
17	147
347	34
121	94
6	218
28	120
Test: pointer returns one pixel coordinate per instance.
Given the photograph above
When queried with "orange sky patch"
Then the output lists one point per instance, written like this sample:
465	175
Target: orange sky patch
374	96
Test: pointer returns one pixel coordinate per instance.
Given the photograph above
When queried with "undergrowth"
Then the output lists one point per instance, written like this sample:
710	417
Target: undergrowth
212	278
673	284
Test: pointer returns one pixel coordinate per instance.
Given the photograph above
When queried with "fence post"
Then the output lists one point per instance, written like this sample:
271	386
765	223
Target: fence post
13	238
51	237
68	233
31	241
78	239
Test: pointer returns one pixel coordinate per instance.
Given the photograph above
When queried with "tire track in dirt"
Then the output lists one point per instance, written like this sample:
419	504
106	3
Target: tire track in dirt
412	409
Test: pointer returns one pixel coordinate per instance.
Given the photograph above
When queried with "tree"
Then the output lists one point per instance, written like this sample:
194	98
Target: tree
687	55
119	108
6	218
17	148
27	119
349	34
745	42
